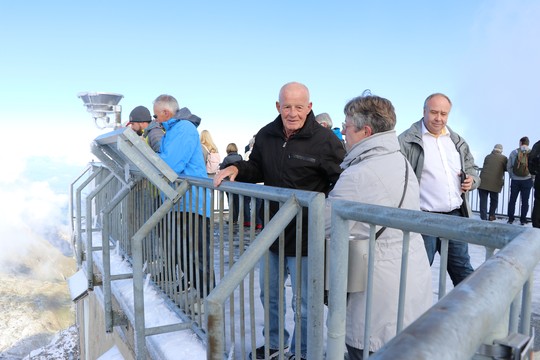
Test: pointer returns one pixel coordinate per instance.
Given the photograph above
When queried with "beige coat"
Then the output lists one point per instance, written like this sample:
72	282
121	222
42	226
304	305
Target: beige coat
374	173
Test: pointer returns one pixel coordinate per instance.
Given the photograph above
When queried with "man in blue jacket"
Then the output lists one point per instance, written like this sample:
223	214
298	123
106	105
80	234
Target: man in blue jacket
181	149
295	152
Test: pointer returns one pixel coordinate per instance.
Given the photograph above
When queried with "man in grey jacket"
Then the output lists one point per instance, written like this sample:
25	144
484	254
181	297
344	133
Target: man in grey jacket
520	183
445	170
150	130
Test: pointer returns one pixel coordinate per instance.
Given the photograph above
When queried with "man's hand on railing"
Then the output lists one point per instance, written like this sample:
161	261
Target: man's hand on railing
229	172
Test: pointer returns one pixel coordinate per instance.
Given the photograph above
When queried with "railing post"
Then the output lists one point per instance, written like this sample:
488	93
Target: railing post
316	235
89	245
337	297
138	276
107	255
78	201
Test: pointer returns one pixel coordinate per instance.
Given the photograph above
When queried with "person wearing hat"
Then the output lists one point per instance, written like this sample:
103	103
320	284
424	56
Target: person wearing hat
491	182
141	122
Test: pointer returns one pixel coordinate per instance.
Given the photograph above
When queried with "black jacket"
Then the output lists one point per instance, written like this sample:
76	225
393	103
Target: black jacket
230	159
308	160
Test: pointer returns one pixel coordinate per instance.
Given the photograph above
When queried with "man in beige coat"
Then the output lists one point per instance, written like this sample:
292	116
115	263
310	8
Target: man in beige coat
491	182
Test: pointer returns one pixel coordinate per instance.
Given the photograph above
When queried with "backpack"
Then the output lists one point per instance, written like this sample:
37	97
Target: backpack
212	162
521	164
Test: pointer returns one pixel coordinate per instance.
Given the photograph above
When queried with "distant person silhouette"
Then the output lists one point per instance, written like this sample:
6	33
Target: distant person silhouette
519	183
210	153
232	158
534	168
491	182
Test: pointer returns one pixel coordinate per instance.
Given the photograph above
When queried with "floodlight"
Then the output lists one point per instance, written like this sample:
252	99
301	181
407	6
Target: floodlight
100	105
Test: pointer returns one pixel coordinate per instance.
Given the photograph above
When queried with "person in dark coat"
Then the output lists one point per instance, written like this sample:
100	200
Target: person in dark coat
491	182
232	158
295	152
533	168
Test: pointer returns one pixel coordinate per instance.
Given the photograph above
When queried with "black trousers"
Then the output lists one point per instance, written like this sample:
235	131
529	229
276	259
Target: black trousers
193	247
535	217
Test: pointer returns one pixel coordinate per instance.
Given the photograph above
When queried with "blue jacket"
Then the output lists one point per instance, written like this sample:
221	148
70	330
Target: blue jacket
181	150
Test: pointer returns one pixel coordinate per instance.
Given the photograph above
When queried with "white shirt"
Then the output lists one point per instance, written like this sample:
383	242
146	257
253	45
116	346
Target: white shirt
440	182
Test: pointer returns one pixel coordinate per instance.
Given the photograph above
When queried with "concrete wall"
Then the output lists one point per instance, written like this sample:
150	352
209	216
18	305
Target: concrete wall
94	340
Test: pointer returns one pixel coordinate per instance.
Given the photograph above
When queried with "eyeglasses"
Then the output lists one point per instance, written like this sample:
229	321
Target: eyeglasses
344	125
154	116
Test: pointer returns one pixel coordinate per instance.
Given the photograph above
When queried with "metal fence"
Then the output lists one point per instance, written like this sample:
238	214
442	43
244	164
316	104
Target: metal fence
207	266
504	196
482	315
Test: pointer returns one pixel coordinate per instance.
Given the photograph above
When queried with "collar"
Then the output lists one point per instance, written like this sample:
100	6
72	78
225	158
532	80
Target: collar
425	131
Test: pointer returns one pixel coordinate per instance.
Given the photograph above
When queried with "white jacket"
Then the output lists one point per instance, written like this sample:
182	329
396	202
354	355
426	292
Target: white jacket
374	173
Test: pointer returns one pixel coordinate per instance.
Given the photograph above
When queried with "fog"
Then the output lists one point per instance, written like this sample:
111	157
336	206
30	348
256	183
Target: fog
35	255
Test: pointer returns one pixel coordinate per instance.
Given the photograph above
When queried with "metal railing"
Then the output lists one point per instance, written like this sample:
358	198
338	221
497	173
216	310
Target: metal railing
138	205
144	224
504	196
485	307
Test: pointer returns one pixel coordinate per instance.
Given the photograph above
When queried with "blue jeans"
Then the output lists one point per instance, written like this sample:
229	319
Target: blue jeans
524	187
274	286
459	261
258	210
493	203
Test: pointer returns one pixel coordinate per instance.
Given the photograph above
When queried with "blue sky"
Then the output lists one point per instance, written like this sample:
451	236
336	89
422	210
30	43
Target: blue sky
227	60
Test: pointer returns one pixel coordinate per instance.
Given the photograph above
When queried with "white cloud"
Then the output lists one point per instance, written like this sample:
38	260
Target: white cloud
31	212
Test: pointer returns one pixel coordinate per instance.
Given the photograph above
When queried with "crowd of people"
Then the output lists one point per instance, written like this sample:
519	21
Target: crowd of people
429	167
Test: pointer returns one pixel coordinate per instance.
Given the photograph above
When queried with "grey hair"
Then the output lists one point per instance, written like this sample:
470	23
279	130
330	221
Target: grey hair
376	112
167	102
436	94
324	117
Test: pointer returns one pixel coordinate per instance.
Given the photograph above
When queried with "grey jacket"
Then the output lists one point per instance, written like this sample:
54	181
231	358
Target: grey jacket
410	142
153	134
510	166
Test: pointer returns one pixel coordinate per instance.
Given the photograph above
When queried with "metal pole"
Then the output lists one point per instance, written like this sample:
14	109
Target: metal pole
138	276
78	201
107	294
337	297
316	235
214	302
89	245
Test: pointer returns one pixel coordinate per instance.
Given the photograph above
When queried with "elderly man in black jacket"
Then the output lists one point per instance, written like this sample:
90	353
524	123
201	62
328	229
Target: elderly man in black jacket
293	151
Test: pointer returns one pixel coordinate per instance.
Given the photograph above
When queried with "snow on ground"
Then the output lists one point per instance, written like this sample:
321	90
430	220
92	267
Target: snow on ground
65	346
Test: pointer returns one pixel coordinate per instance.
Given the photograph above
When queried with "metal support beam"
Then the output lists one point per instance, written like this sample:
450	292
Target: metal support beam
138	276
214	301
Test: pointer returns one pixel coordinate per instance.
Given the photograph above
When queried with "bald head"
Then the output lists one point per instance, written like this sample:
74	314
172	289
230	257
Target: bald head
294	106
293	87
